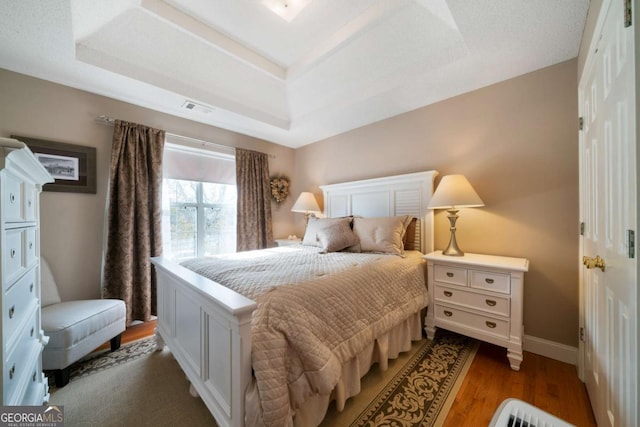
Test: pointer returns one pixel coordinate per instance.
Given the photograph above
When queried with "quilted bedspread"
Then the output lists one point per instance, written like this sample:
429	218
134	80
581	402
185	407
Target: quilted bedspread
315	312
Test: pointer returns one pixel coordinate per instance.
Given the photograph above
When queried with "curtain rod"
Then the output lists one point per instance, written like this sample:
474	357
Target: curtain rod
111	121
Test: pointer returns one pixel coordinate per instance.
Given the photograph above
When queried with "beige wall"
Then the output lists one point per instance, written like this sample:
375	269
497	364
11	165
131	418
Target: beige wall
72	224
517	143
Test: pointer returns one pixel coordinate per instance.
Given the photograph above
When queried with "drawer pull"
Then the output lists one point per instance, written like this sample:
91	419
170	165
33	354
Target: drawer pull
12	371
31	288
13	253
12	197
490	302
447	293
34	377
30	245
32	331
489	281
29	203
448	313
449	274
491	324
12	311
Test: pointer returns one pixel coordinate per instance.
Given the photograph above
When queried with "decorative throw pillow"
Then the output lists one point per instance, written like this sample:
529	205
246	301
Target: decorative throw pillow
382	235
336	237
316	224
409	239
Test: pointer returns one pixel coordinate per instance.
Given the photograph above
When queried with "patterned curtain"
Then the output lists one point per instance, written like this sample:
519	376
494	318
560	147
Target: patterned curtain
134	218
254	203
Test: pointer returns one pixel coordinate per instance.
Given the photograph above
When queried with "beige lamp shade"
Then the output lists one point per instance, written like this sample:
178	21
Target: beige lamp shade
454	191
306	203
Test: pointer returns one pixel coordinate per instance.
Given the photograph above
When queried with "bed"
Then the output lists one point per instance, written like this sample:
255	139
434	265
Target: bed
210	327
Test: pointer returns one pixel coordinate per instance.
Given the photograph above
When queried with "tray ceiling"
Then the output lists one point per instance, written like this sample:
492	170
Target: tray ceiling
328	67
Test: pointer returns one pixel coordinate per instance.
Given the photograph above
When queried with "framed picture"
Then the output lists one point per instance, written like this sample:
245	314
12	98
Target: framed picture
72	166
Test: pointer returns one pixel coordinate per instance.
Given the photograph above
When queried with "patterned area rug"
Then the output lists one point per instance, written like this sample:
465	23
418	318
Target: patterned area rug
422	392
99	361
419	392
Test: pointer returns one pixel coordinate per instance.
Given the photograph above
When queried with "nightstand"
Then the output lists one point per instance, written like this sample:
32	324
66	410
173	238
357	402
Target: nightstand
288	242
480	296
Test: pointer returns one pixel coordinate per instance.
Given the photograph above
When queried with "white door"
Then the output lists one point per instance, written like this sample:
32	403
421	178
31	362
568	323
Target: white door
608	208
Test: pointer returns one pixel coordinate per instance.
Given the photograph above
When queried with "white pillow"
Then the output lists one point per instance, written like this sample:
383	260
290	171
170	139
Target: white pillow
316	224
383	235
49	294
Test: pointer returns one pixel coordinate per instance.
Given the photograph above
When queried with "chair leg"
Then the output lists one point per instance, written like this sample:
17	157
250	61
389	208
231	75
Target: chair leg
115	342
61	376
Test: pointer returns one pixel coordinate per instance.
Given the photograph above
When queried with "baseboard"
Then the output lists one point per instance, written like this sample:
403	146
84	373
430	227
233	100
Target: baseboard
551	349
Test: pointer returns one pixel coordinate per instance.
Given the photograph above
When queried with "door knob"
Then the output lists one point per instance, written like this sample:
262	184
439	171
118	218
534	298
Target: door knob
596	262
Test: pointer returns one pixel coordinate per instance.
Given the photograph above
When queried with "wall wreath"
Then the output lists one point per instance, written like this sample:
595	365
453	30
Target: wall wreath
279	189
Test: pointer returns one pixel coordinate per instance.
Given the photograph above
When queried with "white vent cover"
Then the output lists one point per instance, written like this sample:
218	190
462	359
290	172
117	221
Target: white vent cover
516	413
194	106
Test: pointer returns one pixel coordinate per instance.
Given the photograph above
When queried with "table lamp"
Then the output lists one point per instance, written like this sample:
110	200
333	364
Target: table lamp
454	192
307	204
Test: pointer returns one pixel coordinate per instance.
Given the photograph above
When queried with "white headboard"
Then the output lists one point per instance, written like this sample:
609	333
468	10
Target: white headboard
387	196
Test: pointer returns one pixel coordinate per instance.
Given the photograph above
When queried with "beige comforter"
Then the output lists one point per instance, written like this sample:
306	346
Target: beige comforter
315	312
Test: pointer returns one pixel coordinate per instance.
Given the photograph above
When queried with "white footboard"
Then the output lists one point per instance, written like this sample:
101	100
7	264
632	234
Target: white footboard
208	329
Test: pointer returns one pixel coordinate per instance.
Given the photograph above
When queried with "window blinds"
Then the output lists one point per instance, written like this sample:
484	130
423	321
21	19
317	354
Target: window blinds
193	160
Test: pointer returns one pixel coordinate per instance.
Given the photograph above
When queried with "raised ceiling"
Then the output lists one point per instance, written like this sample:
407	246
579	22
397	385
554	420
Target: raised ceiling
327	67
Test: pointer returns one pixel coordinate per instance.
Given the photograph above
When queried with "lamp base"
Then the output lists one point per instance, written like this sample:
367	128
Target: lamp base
452	248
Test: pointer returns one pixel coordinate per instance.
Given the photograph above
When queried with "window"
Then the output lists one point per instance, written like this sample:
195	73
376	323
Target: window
198	199
201	218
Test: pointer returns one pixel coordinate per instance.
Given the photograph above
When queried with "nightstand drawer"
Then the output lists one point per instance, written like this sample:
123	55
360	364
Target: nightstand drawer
483	324
13	255
19	199
12	203
20	360
489	304
20	300
29	244
490	281
453	275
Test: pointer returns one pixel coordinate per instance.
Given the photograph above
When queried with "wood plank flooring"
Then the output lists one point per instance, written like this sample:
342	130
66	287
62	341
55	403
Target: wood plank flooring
550	385
546	383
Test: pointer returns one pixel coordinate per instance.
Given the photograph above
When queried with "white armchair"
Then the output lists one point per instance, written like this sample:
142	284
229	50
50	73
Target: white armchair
75	328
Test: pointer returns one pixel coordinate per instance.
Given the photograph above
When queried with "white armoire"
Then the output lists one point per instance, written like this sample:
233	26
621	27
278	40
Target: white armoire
21	180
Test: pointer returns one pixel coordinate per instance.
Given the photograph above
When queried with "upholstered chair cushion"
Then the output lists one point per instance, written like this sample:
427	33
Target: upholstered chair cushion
75	328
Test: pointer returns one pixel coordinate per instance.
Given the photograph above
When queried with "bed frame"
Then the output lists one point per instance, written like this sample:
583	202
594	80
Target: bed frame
208	326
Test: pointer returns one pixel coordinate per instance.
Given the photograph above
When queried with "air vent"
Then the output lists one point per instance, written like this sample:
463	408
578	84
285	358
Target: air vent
194	106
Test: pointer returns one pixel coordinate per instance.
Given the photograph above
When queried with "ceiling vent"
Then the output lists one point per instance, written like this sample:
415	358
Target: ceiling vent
194	106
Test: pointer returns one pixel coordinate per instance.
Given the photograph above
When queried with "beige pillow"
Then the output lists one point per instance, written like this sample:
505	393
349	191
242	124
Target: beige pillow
316	224
409	239
382	234
336	237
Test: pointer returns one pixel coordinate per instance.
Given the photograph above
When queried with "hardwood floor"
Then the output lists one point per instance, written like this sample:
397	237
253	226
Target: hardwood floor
134	333
551	385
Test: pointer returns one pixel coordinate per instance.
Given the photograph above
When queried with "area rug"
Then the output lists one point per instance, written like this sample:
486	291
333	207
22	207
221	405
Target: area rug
105	359
419	391
137	386
150	390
